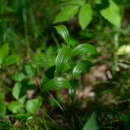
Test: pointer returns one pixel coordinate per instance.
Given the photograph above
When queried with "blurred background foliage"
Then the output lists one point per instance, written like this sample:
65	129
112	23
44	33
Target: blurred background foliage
29	47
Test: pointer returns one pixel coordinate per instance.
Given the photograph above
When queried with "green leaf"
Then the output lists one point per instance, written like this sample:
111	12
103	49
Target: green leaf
16	90
11	60
22	99
80	68
85	15
38	58
18	76
30	71
2	108
67	13
83	49
63	32
91	124
56	83
33	105
123	50
4	50
63	60
15	107
112	14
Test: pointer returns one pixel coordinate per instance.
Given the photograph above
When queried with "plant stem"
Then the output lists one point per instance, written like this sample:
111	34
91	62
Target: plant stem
115	58
55	40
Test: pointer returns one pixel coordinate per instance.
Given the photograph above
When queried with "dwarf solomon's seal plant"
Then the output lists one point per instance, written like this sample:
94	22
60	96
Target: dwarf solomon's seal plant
66	62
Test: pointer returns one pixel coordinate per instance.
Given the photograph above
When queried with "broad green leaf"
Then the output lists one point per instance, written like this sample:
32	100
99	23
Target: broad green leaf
63	60
124	50
112	14
16	90
2	108
30	71
18	76
4	50
63	31
91	124
15	107
80	68
85	15
67	13
83	49
11	60
33	105
56	83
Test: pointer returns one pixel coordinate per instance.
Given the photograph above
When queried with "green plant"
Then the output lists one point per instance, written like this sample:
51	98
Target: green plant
4	58
111	12
51	74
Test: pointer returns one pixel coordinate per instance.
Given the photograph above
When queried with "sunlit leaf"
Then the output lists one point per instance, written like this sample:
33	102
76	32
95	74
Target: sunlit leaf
91	124
80	68
63	31
124	50
16	90
63	59
85	15
67	13
33	105
112	14
84	49
56	83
